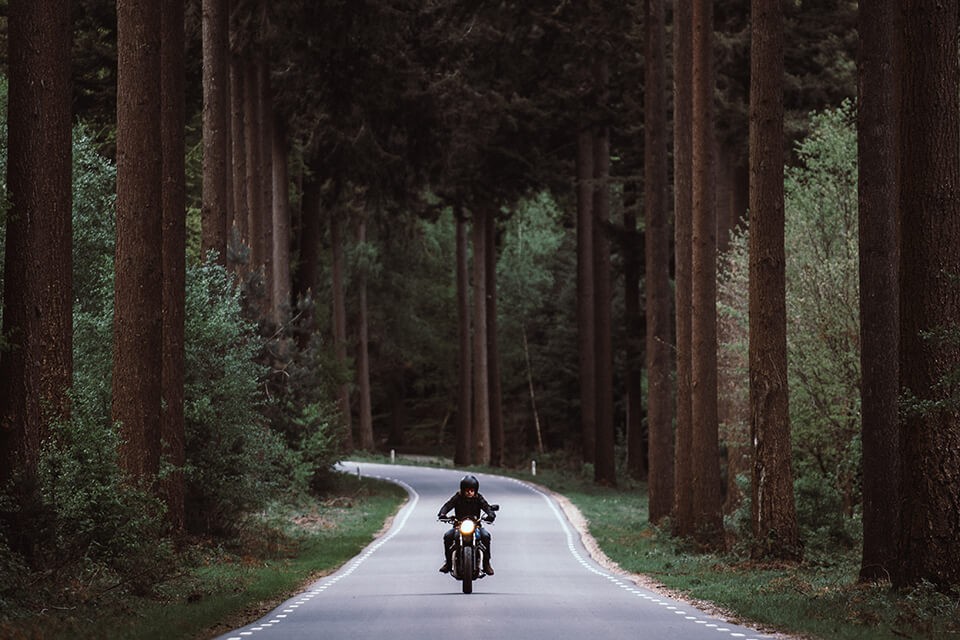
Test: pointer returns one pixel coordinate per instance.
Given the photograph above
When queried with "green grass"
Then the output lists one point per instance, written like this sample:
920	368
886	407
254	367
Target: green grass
218	589
223	588
817	598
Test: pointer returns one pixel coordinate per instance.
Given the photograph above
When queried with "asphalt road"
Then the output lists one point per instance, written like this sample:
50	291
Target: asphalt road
546	585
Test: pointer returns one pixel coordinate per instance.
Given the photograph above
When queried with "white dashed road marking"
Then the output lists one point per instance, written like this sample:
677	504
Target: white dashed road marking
571	546
630	588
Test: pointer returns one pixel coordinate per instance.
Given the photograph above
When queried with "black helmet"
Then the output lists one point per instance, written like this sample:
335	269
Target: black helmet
469	482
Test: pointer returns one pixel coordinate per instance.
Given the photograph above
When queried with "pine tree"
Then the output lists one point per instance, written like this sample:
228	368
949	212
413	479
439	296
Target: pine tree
930	294
683	226
216	79
137	329
657	239
879	306
774	516
174	256
36	367
705	453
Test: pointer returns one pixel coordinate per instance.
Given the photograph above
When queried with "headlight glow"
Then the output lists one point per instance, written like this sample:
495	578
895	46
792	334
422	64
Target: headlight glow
467	527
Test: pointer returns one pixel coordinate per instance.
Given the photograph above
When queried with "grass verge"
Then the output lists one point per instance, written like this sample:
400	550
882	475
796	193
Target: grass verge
817	598
218	588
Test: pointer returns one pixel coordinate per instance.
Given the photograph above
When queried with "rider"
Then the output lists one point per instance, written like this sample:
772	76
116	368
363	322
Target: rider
467	502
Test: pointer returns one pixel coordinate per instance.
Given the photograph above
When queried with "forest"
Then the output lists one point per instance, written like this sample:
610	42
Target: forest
710	247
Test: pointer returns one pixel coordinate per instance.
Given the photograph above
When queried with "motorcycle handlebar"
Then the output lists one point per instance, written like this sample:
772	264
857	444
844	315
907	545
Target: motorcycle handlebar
450	520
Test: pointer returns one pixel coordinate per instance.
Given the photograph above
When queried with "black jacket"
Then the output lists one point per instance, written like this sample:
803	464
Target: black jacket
465	506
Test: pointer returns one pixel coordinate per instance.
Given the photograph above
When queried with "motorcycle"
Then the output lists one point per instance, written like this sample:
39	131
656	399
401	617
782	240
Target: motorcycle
468	551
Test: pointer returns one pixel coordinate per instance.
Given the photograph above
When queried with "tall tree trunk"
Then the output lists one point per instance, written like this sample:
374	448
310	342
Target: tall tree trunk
309	238
252	148
363	352
308	267
493	352
265	181
340	325
634	353
137	315
775	530
281	227
683	225
173	114
657	253
705	450
481	371
930	295
605	464
216	43
238	181
879	301
585	295
462	454
36	371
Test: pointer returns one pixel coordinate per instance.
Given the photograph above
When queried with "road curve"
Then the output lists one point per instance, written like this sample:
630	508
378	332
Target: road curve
546	586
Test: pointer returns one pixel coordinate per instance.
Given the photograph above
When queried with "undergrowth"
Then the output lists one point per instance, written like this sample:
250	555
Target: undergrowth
819	597
219	584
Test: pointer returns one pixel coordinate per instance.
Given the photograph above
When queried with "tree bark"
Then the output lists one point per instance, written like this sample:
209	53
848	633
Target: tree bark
775	530
241	209
930	295
493	352
213	218
309	238
634	352
252	149
657	255
683	224
585	296
463	450
137	317
340	326
363	353
36	371
481	371
879	300
173	114
265	183
705	450
605	466
281	227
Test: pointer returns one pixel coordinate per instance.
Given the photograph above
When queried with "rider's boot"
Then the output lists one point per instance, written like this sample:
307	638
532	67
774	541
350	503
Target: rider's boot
487	569
447	561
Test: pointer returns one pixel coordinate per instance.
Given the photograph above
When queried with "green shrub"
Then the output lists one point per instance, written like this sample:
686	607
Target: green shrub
299	406
235	462
94	226
98	520
319	446
86	530
821	245
823	304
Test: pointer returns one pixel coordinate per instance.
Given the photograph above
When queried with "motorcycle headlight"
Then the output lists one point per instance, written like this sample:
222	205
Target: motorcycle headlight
467	527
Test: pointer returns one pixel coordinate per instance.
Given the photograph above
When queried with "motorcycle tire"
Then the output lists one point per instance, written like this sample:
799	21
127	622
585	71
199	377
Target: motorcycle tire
467	573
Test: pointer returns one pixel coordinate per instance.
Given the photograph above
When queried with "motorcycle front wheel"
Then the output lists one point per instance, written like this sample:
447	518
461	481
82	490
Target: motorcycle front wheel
467	570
